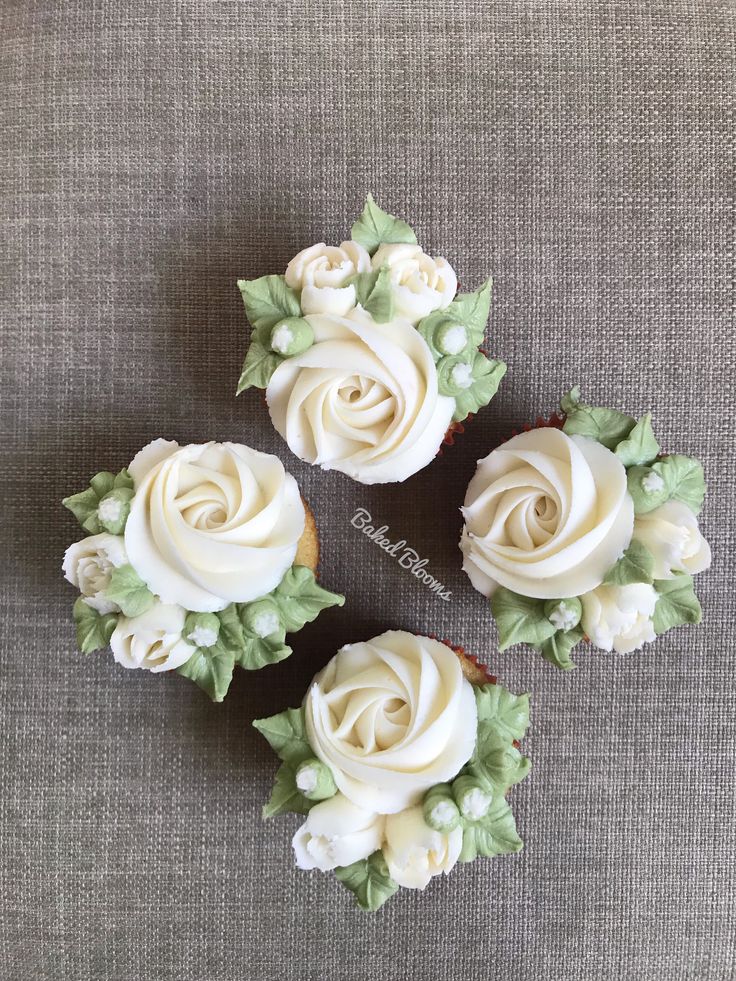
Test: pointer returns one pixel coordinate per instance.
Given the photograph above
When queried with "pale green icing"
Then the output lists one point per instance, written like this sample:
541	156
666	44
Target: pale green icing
314	779
129	592
291	336
103	486
375	227
676	603
439	808
635	565
369	881
640	446
94	630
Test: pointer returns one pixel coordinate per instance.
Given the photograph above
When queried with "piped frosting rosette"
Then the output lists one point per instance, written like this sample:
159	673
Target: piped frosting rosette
400	764
585	531
367	354
198	558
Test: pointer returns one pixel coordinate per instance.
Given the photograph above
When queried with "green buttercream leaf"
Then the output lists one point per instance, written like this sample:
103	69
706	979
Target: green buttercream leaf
260	651
607	426
673	477
472	310
300	598
82	505
287	735
557	648
375	226
369	881
379	303
496	760
102	483
94	629
212	669
520	619
684	479
487	377
123	479
286	796
640	446
635	565
260	363
508	712
647	488
676	604
230	636
495	834
128	590
114	508
268	300
85	504
364	284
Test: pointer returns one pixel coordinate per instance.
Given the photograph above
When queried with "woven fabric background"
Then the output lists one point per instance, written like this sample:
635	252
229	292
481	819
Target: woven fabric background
151	154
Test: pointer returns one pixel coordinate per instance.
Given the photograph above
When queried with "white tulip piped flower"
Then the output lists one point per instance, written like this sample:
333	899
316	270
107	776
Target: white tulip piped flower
619	618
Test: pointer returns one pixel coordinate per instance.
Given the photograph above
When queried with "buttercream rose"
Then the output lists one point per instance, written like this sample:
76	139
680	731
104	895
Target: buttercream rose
414	852
88	565
391	717
322	272
619	617
335	834
211	524
672	535
152	640
546	515
363	399
420	284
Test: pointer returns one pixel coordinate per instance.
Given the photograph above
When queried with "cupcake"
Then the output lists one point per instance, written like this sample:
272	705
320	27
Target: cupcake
586	531
400	757
197	558
367	353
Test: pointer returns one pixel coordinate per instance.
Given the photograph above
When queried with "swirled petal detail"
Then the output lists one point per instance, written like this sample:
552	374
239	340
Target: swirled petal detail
211	524
391	717
363	399
546	515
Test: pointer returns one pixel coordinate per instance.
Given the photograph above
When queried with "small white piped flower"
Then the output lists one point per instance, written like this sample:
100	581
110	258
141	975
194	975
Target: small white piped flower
563	617
443	813
109	510
266	623
203	637
462	376
652	483
475	804
306	779
282	339
454	339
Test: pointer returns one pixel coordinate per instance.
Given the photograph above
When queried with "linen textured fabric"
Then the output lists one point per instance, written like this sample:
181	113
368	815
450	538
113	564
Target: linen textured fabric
153	153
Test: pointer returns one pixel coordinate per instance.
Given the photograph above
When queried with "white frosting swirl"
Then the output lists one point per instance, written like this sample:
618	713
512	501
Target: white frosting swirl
391	717
420	283
322	272
619	617
335	834
546	515
414	852
88	565
211	524
153	640
672	535
363	399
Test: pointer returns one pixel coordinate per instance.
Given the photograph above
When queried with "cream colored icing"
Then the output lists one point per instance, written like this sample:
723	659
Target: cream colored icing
546	515
391	717
211	524
363	399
